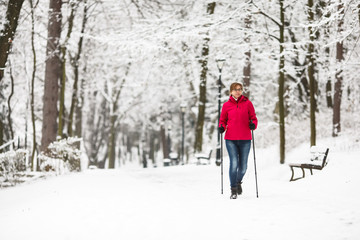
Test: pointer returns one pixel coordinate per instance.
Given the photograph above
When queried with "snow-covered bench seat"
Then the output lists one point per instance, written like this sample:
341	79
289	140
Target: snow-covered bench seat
316	155
200	156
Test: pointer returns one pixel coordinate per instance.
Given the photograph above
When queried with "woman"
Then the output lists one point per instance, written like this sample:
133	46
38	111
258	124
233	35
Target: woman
238	118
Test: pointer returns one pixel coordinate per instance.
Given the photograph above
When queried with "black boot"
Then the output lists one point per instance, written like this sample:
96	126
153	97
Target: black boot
233	193
239	188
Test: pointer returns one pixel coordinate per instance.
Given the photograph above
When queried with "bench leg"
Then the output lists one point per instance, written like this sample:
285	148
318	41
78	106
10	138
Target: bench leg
311	171
292	174
303	171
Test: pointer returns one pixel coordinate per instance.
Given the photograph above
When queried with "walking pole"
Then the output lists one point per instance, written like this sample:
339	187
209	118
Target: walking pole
221	157
253	140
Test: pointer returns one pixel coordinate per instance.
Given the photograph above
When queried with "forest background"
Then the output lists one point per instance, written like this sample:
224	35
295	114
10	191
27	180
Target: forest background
116	74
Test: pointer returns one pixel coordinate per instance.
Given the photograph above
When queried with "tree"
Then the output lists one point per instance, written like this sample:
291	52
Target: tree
11	131
282	83
281	75
338	74
63	49
32	101
164	142
8	32
359	13
247	65
325	14
75	103
113	119
311	72
202	98
7	35
52	75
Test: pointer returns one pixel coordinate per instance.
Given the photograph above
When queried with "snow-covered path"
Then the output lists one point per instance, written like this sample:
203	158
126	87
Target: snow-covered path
184	202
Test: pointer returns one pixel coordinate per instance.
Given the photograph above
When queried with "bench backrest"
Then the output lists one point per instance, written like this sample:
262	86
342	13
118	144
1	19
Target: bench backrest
320	155
325	157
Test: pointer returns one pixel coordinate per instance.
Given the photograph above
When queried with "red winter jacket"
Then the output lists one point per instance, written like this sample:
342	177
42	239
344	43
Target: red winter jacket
235	118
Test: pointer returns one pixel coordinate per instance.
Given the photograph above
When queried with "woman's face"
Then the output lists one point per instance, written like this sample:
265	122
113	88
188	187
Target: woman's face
236	92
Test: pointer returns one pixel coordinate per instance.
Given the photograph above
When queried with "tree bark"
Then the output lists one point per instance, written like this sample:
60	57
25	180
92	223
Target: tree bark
311	71
52	75
6	38
303	86
282	84
10	131
321	8
78	110
164	142
247	65
359	13
111	148
8	32
9	105
63	70
113	119
32	101
99	132
338	77
75	64
203	78
280	107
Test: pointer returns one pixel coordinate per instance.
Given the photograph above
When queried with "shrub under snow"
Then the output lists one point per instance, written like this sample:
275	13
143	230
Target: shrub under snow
11	163
61	156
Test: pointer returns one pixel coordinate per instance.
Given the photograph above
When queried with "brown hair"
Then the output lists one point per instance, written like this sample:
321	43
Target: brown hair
234	85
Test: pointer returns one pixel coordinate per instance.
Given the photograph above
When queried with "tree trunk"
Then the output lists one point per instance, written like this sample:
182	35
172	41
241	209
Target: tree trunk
11	131
202	98
32	101
52	75
164	142
338	77
6	38
311	71
73	102
78	110
329	102
98	134
8	32
75	64
303	86
282	85
63	70
152	142
112	137
62	96
321	8
113	119
359	13
247	65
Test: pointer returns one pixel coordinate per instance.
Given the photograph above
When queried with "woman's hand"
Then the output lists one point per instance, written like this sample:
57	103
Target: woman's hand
221	129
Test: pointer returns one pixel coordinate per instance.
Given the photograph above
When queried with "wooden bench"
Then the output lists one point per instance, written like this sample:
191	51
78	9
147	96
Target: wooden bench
200	156
317	155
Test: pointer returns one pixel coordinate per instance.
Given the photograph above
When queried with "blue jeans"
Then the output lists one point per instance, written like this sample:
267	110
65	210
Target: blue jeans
238	152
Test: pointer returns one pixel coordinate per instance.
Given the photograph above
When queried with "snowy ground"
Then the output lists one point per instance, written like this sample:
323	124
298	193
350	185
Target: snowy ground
184	202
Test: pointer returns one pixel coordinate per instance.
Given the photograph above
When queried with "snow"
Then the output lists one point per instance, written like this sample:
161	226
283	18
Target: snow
185	202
